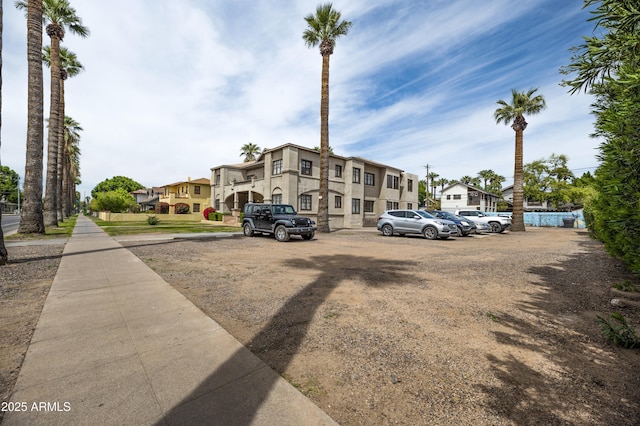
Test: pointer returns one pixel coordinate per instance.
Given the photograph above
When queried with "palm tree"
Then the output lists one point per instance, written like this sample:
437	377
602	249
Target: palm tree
249	150
486	175
31	220
521	103
61	16
466	179
432	177
69	67
441	183
4	256
71	171
323	29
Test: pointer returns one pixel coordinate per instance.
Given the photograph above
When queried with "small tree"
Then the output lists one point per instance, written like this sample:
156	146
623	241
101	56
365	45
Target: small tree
116	201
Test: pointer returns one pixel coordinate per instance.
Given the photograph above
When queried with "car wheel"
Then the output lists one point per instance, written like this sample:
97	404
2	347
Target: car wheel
495	227
430	233
308	236
282	234
460	233
387	230
248	232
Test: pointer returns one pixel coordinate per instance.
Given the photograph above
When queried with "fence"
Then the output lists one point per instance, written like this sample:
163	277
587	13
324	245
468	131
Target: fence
555	219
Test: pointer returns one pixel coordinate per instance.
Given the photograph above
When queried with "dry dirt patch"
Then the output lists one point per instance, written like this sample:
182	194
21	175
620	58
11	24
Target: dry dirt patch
480	330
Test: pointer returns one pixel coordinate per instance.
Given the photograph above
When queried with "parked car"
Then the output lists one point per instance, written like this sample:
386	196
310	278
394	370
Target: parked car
465	226
403	222
480	227
280	220
497	223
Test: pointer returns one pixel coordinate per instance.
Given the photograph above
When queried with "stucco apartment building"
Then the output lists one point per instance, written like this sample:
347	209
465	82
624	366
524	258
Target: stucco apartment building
359	189
466	197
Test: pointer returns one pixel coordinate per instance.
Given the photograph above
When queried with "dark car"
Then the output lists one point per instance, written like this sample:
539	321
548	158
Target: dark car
465	226
280	220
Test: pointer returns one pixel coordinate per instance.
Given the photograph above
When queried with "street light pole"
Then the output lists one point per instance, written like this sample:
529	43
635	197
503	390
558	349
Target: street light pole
18	194
426	189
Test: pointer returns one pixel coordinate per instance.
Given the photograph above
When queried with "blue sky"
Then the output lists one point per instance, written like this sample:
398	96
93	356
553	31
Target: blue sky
172	89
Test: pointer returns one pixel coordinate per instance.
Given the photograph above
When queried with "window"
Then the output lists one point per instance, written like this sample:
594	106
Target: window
449	197
217	205
389	205
355	206
396	205
410	206
277	167
410	185
305	202
392	181
196	207
457	197
305	167
356	175
369	179
338	202
196	189
276	198
368	206
217	180
338	170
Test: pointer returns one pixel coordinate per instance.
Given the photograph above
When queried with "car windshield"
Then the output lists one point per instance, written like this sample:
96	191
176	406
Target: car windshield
283	209
447	215
424	214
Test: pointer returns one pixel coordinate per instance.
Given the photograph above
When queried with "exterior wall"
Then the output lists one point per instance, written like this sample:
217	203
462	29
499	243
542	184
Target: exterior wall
507	194
142	217
291	185
467	198
184	193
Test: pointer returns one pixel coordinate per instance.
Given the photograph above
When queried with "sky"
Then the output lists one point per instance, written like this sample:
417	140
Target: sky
171	89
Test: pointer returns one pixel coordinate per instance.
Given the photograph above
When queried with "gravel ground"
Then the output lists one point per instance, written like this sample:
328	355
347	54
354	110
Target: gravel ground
493	330
496	329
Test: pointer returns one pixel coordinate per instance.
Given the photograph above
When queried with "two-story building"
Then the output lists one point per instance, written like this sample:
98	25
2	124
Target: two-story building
190	196
359	189
527	204
464	197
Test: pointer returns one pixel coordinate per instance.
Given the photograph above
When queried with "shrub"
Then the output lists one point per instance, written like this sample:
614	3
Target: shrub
618	331
207	212
182	208
152	220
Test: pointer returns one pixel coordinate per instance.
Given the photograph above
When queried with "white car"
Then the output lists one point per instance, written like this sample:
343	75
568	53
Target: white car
497	223
481	228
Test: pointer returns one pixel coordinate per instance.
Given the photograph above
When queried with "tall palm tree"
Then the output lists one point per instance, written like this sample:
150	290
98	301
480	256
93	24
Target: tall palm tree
441	183
4	256
486	175
432	176
249	150
60	17
31	220
69	67
71	171
323	29
521	103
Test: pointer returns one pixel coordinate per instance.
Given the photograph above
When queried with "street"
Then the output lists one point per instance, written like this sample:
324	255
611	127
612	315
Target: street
10	223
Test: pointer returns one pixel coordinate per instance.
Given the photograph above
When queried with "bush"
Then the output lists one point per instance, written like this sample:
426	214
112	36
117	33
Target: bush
217	216
207	212
152	220
117	201
618	331
182	208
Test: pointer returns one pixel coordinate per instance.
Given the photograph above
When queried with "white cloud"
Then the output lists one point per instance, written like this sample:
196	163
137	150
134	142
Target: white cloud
172	89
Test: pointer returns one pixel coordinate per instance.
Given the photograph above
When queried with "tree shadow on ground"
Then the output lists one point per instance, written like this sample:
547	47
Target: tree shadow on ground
221	401
558	324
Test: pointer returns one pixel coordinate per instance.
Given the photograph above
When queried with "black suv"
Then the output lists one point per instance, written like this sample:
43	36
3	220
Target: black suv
281	220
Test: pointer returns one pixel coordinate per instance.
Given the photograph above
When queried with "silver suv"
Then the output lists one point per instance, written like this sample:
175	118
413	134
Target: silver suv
403	222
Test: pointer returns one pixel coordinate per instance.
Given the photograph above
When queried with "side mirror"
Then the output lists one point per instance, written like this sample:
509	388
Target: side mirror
417	216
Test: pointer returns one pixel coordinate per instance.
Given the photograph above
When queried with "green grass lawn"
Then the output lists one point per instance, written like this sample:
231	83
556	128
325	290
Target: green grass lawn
63	230
162	227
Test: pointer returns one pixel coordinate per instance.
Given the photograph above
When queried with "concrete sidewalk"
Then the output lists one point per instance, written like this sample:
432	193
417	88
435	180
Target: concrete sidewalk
117	345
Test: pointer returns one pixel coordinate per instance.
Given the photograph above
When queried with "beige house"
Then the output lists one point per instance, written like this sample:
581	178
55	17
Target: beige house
359	190
190	196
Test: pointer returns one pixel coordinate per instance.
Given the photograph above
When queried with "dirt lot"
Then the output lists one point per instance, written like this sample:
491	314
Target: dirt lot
480	330
494	330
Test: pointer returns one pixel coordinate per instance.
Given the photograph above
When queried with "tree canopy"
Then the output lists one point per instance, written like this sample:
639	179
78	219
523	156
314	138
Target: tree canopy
116	182
9	184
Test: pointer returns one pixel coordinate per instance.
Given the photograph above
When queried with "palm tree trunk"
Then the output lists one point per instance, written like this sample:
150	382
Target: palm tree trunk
50	212
60	154
31	220
323	202
518	206
4	256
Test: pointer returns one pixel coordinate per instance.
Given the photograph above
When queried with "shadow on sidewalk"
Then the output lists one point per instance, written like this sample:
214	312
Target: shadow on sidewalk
213	401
